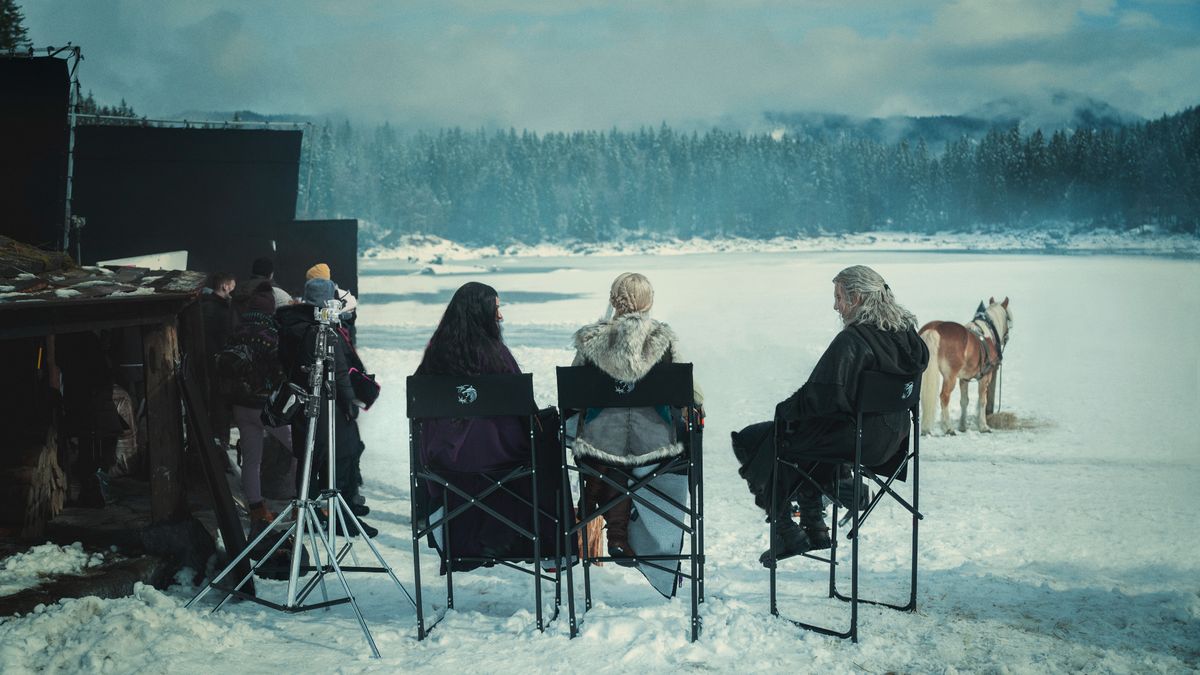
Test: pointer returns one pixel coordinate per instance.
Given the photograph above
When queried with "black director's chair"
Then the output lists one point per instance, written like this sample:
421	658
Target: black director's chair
878	393
462	396
583	387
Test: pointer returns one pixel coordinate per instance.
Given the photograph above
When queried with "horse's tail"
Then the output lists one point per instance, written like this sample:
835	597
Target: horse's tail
930	380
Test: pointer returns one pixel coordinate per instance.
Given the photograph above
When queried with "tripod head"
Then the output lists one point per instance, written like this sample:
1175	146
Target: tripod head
321	372
328	315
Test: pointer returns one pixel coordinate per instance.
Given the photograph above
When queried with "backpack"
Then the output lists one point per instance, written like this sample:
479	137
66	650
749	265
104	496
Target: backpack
234	369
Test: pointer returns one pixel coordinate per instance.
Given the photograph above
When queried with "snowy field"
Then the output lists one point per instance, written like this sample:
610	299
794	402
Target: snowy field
1068	544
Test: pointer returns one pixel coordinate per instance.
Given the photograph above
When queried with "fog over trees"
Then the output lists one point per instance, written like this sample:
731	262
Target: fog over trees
497	187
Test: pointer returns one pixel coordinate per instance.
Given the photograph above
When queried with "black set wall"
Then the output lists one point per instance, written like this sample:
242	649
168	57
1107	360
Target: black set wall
221	194
308	242
34	95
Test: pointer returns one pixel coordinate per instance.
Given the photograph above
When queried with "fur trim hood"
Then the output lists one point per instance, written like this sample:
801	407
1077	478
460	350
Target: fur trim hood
626	347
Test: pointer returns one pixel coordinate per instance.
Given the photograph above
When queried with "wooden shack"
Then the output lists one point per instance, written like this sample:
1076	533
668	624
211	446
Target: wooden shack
44	300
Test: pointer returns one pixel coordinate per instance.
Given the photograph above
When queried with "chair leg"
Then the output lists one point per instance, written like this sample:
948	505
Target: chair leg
833	546
537	567
558	556
771	515
567	522
587	563
449	553
417	584
854	554
416	542
912	599
695	559
699	505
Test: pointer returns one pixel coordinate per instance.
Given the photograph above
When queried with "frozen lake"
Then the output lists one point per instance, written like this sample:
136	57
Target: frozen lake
1067	545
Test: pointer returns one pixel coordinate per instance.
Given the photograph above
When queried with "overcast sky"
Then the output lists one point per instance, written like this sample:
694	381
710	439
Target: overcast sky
584	64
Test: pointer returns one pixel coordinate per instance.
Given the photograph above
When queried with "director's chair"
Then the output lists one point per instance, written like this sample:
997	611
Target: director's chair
878	393
466	396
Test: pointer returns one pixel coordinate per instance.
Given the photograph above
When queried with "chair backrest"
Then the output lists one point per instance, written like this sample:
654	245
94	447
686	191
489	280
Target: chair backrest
470	395
884	392
589	387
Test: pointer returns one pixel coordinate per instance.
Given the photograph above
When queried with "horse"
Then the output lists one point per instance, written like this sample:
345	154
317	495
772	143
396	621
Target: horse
962	353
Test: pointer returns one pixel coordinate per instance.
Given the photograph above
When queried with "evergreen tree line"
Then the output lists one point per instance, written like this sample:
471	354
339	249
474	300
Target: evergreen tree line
87	105
499	187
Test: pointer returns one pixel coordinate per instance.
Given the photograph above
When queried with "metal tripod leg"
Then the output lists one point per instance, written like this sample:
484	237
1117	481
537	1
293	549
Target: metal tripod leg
244	554
378	555
337	569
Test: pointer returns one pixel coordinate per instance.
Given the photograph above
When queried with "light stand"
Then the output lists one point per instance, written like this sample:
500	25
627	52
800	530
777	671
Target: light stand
307	526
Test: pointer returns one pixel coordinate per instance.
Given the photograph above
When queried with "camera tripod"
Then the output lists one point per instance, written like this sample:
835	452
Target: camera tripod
306	527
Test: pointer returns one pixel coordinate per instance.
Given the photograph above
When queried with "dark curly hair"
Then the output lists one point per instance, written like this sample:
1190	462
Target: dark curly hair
467	340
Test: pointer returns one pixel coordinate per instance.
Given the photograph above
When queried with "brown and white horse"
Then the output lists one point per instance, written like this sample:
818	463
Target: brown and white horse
962	353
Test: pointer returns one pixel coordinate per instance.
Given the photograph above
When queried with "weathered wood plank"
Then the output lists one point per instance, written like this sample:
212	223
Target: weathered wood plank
164	425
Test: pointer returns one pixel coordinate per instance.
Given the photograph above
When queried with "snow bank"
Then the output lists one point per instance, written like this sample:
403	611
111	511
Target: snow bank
427	248
139	633
32	567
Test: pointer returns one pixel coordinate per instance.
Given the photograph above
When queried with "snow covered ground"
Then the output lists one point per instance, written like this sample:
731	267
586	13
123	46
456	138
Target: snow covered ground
1066	545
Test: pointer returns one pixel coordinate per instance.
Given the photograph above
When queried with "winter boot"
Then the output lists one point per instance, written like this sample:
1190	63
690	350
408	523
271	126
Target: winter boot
618	533
371	532
260	519
790	540
811	510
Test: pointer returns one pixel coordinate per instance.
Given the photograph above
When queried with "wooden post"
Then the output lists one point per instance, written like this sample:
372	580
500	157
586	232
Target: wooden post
201	438
164	424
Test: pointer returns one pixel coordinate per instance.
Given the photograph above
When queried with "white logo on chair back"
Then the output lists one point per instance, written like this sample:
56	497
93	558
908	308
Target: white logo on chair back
623	387
467	394
908	389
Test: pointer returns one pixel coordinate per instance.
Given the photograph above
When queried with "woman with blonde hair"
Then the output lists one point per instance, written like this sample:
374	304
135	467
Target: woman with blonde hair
625	345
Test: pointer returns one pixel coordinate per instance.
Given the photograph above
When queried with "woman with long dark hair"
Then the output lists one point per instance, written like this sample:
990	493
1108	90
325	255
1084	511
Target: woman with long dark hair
468	341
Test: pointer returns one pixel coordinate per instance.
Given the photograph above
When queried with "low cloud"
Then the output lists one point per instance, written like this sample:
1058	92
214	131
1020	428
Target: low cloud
552	66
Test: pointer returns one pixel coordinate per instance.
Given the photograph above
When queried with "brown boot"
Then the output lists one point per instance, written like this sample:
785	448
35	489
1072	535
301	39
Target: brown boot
618	532
260	518
260	513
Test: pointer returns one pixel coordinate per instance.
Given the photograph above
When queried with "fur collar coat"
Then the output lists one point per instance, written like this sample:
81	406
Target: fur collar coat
627	347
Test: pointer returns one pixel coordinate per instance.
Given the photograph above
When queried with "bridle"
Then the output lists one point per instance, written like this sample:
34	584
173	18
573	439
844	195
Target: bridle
988	364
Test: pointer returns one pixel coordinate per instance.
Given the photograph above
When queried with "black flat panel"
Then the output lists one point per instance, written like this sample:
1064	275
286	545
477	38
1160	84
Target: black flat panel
304	243
33	137
221	194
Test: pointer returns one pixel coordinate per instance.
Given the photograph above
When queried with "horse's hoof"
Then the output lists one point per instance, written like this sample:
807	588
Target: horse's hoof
985	430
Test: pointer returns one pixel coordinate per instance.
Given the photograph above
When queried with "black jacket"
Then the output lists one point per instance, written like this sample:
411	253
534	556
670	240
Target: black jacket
297	342
218	317
818	420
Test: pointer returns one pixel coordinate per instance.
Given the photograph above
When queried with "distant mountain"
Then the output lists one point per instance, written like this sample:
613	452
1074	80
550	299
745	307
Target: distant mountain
1055	110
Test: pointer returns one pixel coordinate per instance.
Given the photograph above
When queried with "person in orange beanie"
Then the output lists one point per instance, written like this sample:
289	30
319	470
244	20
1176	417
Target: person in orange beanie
349	303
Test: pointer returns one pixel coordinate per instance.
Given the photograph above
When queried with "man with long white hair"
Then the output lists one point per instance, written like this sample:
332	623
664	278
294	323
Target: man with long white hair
817	422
